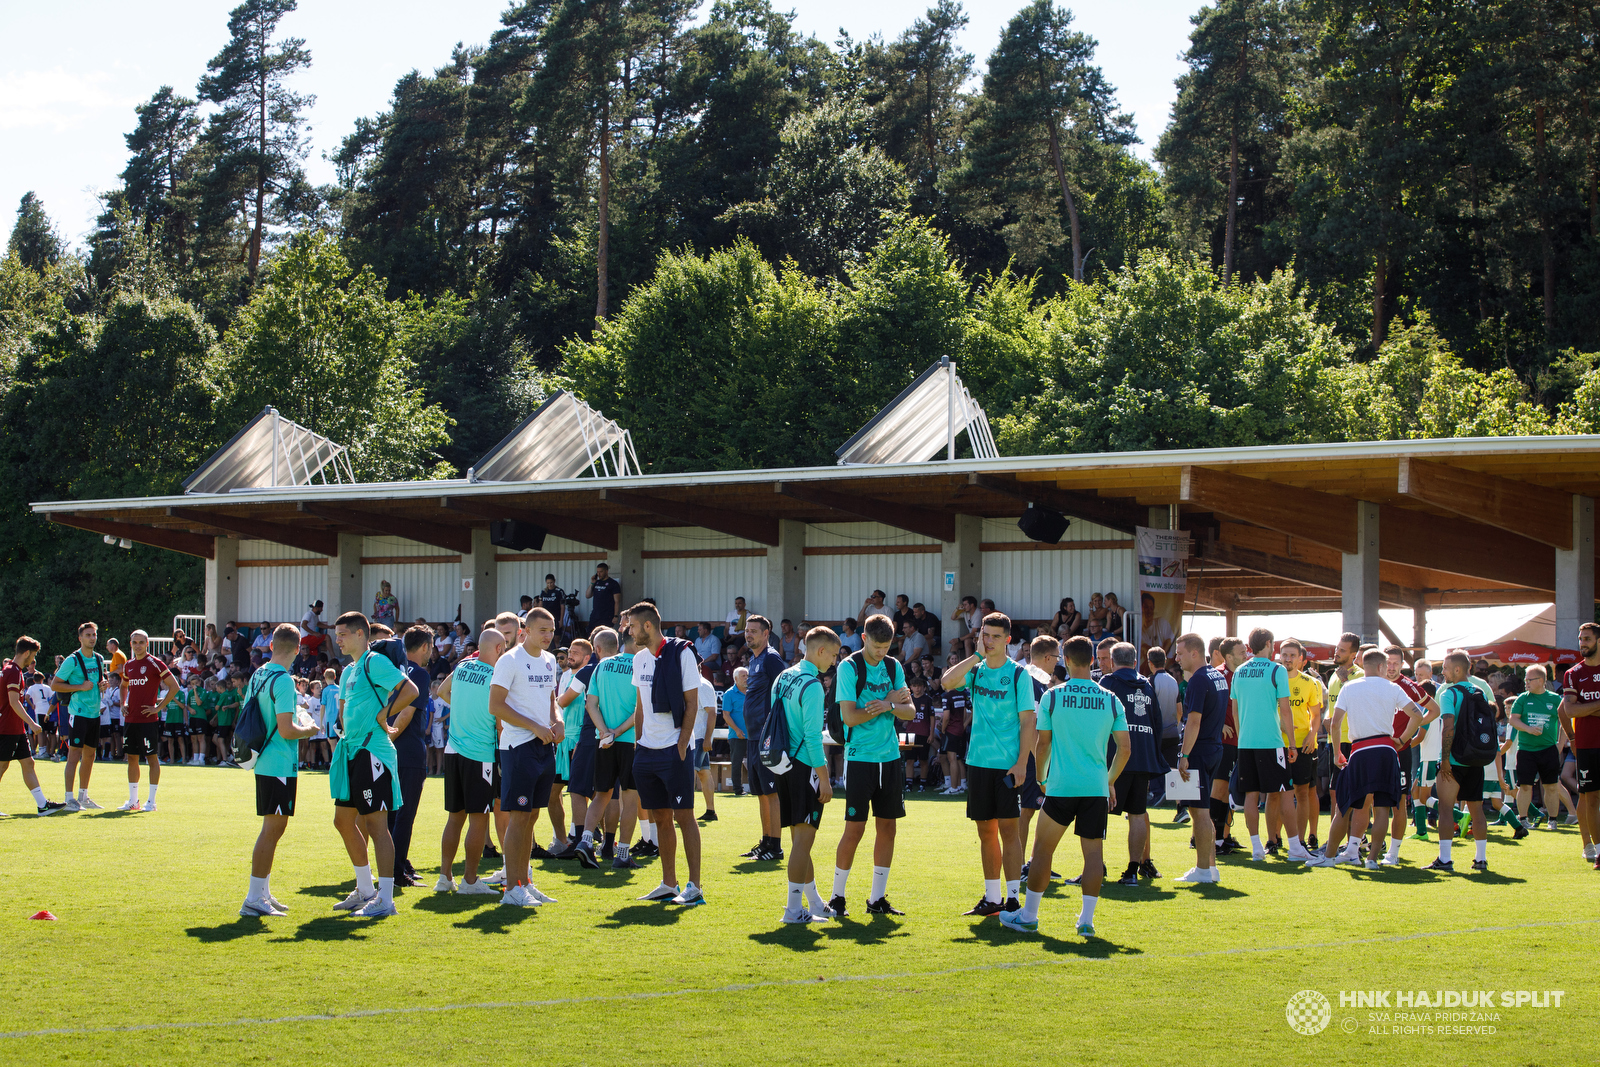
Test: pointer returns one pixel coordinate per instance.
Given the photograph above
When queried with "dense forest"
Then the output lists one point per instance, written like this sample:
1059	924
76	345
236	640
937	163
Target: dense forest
1366	220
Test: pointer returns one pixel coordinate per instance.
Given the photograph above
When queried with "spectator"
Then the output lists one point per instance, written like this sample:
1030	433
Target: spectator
1114	614
444	651
928	625
902	611
733	625
873	605
386	607
789	643
1096	627
554	600
708	646
912	644
605	593
850	640
311	621
187	666
966	617
1068	620
212	642
238	643
305	663
733	715
262	644
463	641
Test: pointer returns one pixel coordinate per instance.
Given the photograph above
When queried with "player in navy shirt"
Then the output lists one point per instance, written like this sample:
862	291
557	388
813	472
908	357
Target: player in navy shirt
765	666
1205	709
1138	699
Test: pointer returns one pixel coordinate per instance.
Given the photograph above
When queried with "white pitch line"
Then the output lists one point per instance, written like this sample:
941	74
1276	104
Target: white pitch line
740	987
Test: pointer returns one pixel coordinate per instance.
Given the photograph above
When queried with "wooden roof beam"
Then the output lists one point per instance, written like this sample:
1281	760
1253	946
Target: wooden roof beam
190	544
1533	511
756	528
1111	514
454	538
1295	570
1324	518
588	531
938	525
308	538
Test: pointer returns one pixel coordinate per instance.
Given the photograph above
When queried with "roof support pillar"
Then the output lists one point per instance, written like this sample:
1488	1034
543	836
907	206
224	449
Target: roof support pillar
1359	585
629	568
961	561
786	576
344	579
480	586
222	583
1575	575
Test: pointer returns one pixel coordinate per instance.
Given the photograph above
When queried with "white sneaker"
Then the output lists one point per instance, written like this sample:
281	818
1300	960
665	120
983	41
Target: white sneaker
258	909
480	888
377	908
1216	875
1299	855
661	892
1321	859
690	895
1194	875
538	897
1352	858
445	884
1258	854
355	901
1588	850
1372	865
149	805
1388	861
72	805
801	916
276	903
497	878
518	896
823	912
132	805
88	804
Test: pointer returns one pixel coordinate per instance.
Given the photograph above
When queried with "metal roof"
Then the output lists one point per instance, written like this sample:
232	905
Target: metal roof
564	438
271	452
924	418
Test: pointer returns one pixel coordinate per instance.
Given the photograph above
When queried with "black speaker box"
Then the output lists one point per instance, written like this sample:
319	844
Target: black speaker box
1043	524
517	536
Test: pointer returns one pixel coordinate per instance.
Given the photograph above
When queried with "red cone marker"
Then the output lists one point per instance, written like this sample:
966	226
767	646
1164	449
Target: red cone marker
45	915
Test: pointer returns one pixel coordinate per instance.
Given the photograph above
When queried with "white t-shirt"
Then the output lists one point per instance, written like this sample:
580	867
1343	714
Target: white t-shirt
658	729
39	697
314	709
731	625
1370	705
111	706
310	622
707	714
530	685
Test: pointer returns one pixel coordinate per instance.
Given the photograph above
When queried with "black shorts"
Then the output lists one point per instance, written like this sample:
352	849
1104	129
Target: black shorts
174	729
371	784
919	748
141	739
762	781
275	796
613	766
1203	763
989	797
1543	765
1469	783
1373	771
1031	795
956	744
1263	770
202	726
880	786
527	773
85	732
1088	812
1303	771
1408	773
1223	771
1588	770
1133	794
470	785
580	768
664	779
14	747
798	802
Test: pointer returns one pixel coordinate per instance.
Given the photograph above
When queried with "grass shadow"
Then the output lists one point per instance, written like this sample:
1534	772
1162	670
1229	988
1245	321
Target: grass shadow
1142	891
642	913
452	903
796	937
496	920
1095	948
874	930
328	928
244	926
756	866
338	889
1212	891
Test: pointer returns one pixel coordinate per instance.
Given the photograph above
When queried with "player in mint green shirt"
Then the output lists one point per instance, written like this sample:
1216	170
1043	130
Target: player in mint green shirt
276	767
84	675
1077	720
1263	708
804	788
873	699
999	742
364	777
609	703
471	784
1538	732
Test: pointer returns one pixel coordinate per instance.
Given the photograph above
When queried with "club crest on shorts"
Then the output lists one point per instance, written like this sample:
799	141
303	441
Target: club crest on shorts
522	800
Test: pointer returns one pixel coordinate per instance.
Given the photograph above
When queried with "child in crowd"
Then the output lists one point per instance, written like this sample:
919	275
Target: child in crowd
438	730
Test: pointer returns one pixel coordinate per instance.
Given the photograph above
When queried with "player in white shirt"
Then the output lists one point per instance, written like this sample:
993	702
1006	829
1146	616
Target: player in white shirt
39	700
522	695
1428	755
1375	707
700	744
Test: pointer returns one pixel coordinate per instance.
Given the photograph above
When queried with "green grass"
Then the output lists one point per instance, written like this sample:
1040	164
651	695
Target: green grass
148	936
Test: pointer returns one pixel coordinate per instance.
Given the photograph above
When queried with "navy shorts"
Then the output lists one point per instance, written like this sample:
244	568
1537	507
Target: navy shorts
1204	766
762	781
1372	771
664	779
527	773
580	769
1030	796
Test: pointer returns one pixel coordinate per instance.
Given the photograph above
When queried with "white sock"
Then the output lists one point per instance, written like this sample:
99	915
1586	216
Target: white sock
991	890
588	837
649	832
266	883
1087	915
150	796
1255	842
813	898
83	794
880	883
1030	907
133	792
386	890
39	797
1483	851
841	875
1012	885
258	889
364	880
1294	843
1394	849
796	900
1444	850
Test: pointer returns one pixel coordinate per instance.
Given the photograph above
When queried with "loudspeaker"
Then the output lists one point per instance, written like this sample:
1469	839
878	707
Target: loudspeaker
1043	524
518	536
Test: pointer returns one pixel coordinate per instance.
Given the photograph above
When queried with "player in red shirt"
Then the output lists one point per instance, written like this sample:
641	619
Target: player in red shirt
1580	714
1409	768
147	686
16	723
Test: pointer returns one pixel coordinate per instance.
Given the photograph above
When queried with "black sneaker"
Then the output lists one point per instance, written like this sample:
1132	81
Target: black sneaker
540	853
1182	817
760	847
585	856
1023	874
1519	833
490	852
1013	904
1481	865
645	850
50	807
709	816
1447	866
1148	870
1055	876
624	863
1130	877
838	906
1311	843
1273	847
608	850
1079	880
881	906
985	907
567	852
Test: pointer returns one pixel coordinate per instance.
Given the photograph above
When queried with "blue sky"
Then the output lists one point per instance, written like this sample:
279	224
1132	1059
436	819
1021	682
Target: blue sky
71	72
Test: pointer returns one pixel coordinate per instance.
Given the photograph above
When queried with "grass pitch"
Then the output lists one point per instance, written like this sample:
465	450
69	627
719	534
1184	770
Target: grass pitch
149	962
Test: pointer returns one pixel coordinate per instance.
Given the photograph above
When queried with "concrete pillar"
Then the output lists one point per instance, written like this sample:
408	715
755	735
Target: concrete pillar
222	583
344	579
1575	576
1359	588
480	587
1230	623
786	576
1419	631
627	567
961	561
1161	517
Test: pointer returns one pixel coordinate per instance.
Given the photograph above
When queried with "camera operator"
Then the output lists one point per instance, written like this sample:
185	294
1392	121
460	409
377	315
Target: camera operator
553	599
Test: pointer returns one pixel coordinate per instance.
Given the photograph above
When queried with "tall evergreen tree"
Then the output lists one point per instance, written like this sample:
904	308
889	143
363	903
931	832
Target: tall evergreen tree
33	239
924	105
157	180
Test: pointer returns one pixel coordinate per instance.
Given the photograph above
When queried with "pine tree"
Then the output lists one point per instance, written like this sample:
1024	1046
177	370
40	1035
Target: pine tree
157	180
33	239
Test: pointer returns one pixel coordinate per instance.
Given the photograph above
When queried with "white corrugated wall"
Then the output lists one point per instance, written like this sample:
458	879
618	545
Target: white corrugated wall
837	585
1030	585
425	590
279	594
701	588
517	577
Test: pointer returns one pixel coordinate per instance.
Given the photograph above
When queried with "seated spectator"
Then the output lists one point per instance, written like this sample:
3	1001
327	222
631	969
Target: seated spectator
913	646
927	624
1017	647
850	639
788	643
733	625
1067	621
463	639
444	652
263	640
1097	617
1114	614
967	622
305	663
708	646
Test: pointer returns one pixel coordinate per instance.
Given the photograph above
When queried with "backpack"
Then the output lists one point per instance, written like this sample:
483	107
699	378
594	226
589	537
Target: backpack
833	718
394	648
1476	741
772	748
250	735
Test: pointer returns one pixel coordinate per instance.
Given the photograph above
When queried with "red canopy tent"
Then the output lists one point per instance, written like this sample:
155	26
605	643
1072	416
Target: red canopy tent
1315	650
1524	652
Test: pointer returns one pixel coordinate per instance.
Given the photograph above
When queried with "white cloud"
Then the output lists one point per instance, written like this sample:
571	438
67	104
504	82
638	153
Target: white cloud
57	99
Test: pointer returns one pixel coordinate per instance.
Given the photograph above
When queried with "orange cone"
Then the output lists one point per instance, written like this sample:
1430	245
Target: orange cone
45	915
